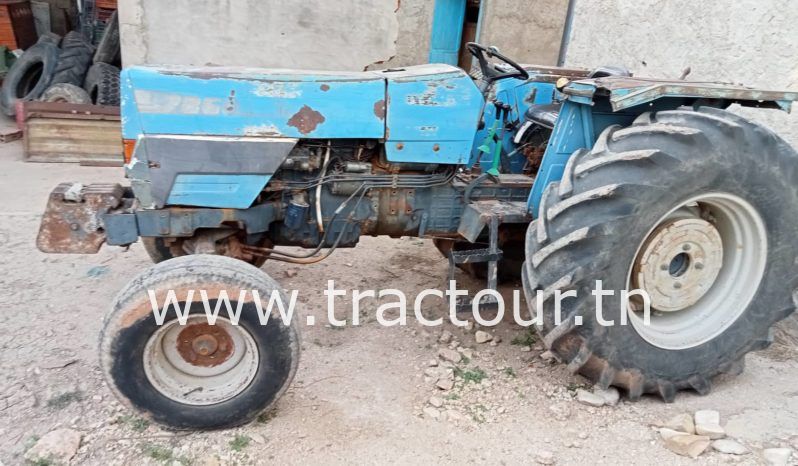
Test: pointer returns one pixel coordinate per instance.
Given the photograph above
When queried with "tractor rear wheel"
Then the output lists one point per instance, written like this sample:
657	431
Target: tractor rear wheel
697	209
199	374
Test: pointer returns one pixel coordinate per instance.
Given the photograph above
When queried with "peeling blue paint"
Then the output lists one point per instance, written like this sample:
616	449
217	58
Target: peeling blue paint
432	118
211	102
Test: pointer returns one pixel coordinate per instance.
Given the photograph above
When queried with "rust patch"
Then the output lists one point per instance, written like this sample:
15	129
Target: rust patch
72	220
325	87
306	120
379	109
204	345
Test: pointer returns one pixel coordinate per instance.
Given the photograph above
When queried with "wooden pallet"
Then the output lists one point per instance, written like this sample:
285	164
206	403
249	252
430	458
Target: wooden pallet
62	132
10	135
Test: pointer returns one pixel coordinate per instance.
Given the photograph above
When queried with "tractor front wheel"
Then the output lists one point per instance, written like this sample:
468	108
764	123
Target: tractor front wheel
694	208
185	371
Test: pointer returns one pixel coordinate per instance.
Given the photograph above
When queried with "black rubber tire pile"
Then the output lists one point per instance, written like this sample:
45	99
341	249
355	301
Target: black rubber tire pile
66	70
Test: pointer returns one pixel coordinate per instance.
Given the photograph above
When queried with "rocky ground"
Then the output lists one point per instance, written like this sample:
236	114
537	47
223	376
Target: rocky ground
366	394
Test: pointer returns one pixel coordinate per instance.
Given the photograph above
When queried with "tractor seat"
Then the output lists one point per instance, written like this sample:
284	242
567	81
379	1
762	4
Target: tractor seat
546	114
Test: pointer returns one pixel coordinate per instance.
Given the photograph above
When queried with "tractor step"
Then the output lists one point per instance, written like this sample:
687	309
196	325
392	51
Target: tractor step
473	256
476	216
464	304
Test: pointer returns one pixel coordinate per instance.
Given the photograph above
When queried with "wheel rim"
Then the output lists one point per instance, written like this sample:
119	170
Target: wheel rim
200	364
701	266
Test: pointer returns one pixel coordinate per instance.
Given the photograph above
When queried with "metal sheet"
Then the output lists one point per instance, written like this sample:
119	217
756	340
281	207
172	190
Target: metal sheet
626	92
478	214
574	130
183	222
232	191
213	171
432	115
251	102
72	221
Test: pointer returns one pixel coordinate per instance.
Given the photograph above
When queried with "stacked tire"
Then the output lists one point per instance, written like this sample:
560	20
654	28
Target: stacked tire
67	70
102	79
74	60
30	75
102	84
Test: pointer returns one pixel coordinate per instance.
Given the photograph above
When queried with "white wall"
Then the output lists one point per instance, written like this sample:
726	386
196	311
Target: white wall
754	42
332	35
529	31
321	34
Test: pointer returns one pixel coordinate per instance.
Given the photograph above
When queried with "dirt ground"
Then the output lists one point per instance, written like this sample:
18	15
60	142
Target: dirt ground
359	395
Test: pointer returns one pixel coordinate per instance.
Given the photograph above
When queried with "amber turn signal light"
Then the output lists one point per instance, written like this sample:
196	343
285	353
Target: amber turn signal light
129	145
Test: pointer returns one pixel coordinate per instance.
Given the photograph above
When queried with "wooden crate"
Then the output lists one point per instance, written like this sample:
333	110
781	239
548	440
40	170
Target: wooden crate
17	29
62	132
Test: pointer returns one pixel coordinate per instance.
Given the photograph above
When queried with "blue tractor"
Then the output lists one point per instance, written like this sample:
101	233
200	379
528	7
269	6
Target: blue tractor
562	177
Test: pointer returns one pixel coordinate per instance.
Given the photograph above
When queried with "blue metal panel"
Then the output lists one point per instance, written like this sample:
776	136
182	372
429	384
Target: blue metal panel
573	131
577	127
223	191
440	108
447	31
519	95
251	102
628	92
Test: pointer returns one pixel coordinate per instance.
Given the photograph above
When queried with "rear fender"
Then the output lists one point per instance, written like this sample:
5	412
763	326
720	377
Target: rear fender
591	105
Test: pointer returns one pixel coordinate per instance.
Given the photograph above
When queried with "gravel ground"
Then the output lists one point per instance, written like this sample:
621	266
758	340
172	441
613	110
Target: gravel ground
363	394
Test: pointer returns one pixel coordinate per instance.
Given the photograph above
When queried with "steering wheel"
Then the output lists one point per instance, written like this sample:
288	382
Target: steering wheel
489	71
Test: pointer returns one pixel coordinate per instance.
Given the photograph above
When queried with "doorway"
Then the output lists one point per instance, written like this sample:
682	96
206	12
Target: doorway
454	23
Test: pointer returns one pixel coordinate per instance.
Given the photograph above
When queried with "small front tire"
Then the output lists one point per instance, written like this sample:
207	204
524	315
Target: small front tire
196	375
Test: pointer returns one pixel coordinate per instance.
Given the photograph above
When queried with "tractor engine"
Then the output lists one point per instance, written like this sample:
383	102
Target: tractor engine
333	191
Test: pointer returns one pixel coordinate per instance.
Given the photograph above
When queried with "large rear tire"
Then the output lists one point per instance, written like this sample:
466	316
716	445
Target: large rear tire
196	375
697	209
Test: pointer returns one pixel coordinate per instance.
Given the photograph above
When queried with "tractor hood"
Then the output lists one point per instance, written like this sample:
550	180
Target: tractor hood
428	108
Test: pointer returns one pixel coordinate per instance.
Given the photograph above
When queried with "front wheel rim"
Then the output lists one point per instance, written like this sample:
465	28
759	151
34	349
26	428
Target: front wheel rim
701	264
200	364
